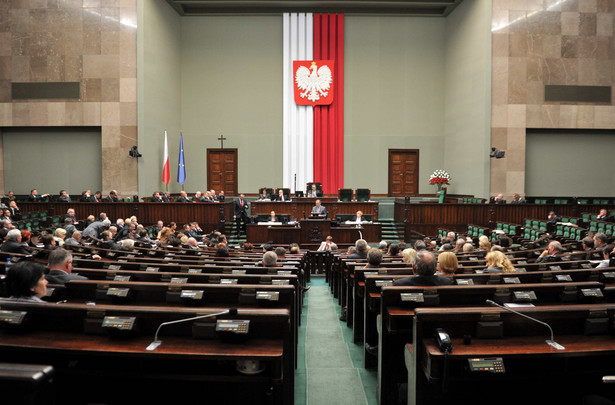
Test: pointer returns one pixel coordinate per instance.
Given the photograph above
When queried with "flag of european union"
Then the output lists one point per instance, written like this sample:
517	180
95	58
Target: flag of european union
181	166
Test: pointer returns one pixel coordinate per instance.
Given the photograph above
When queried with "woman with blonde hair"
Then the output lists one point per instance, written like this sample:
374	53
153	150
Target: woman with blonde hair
408	256
497	262
447	263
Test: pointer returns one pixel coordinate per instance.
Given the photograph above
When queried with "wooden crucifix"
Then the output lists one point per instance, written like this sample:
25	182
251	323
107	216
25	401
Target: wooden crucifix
222	139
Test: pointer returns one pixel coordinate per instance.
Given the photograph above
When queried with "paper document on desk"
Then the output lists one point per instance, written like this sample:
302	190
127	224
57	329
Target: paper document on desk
513	305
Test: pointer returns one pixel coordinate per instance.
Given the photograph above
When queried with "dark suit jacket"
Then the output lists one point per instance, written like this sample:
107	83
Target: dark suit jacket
111	199
278	198
357	256
183	199
239	210
153	199
317	194
14	247
61	277
323	211
32	197
221	198
165	199
424	281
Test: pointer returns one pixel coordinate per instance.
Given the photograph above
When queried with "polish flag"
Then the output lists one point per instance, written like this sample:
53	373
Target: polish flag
166	172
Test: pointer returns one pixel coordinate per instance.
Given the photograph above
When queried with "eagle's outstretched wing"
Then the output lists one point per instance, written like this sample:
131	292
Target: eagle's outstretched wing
302	77
325	78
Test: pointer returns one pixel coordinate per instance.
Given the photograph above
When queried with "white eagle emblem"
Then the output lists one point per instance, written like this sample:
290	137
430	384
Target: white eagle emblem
315	83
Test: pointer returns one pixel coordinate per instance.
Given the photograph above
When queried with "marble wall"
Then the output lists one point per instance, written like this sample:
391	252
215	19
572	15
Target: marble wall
88	41
541	42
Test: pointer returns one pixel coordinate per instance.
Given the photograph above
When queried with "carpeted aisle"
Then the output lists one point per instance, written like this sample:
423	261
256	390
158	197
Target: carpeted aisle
330	368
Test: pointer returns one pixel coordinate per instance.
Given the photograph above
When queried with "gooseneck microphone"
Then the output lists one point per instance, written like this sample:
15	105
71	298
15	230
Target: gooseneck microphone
152	346
551	342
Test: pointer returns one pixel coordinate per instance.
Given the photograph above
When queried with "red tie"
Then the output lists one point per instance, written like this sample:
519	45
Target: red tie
242	203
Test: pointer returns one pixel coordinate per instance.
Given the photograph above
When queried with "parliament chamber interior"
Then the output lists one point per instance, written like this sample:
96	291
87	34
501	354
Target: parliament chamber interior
307	202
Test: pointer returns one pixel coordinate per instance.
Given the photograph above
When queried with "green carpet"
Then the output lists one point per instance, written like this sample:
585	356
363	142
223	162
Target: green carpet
330	367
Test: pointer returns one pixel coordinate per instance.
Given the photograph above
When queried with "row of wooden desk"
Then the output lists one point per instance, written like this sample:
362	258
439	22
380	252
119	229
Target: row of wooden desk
312	231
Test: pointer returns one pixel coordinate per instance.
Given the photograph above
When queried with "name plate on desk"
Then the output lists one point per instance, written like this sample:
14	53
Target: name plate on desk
384	283
412	297
511	280
280	282
465	281
12	317
233	326
488	364
179	280
152	269
524	296
228	281
268	295
192	294
118	292
592	292
125	323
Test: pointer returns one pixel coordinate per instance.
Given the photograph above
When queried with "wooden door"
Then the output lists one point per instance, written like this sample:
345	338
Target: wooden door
222	170
403	172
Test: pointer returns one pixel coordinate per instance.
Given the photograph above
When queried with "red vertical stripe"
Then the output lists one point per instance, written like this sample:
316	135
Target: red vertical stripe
329	120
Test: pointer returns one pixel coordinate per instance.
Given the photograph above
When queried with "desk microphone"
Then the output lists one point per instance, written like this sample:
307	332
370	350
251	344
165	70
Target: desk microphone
152	346
551	342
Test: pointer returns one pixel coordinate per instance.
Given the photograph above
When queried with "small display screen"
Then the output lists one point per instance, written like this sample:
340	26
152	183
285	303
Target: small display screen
194	271
383	283
412	297
238	272
119	322
121	278
591	292
192	294
512	280
492	365
179	280
280	282
284	272
118	292
12	317
563	277
154	269
465	281
228	281
233	325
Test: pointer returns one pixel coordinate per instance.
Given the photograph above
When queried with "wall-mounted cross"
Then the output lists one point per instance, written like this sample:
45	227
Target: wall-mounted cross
222	139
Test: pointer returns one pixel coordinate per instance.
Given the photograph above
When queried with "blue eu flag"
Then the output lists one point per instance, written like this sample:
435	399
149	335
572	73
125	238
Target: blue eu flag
181	167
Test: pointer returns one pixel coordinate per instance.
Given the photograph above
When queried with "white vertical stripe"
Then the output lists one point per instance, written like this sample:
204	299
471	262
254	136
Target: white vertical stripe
298	125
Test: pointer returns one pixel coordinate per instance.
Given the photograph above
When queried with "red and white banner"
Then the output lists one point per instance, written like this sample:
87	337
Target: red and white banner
313	82
166	172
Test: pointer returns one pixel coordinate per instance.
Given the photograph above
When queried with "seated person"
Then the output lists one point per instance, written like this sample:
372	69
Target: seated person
358	218
319	210
517	199
374	258
281	197
604	216
408	256
13	243
313	192
60	265
424	269
498	199
327	244
183	197
270	259
112	197
64	197
553	218
75	239
35	197
273	217
156	197
264	195
497	262
447	264
26	282
360	253
552	253
608	253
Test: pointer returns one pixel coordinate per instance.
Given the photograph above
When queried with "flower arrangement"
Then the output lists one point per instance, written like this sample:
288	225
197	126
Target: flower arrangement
439	177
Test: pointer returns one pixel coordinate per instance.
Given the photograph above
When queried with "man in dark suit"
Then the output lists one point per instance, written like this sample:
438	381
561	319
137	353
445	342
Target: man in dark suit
156	197
13	243
221	196
319	210
64	197
87	196
14	209
70	214
551	254
517	199
35	197
553	218
313	192
281	197
604	216
60	267
361	247
112	197
424	269
183	197
166	197
241	216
